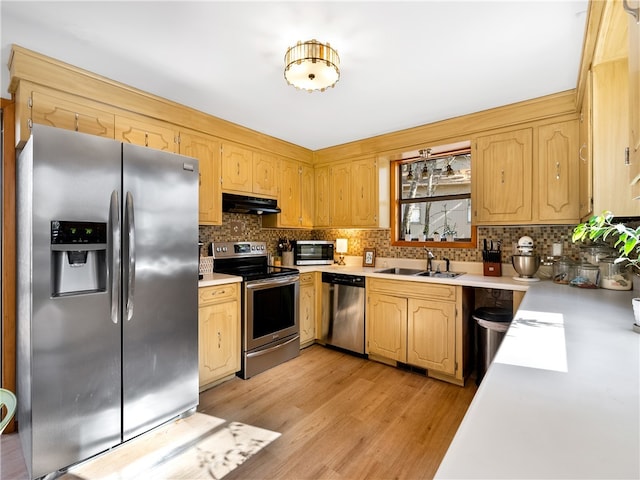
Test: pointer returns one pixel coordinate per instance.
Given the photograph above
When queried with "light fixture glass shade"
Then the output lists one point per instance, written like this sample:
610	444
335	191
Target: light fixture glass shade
341	245
312	65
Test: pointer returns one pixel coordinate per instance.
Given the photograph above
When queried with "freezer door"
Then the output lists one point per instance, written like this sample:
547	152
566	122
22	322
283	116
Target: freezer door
160	287
69	345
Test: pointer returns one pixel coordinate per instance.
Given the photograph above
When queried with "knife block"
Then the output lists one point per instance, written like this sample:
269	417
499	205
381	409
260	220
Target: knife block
492	269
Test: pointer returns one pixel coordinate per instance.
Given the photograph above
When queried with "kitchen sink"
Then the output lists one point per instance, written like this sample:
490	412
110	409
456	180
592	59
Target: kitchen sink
439	274
419	273
400	271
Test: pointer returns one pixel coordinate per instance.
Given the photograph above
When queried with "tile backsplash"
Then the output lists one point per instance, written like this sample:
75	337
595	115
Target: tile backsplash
239	227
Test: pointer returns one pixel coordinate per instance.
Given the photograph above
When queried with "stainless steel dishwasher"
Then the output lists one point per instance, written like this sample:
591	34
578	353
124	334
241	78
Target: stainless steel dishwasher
343	302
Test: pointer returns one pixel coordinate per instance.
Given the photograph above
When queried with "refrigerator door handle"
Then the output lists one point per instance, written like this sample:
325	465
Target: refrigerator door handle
131	254
114	261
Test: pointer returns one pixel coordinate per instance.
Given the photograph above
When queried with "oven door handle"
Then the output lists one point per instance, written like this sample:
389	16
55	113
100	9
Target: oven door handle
272	282
272	348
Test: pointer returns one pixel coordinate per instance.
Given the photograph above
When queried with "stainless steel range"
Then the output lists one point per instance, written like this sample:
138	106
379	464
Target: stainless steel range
270	298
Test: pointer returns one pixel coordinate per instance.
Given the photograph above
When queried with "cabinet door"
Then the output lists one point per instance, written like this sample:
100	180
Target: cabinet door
585	165
364	193
289	193
387	326
611	189
431	335
322	197
558	173
264	174
64	113
218	341
147	133
504	177
634	110
307	196
307	310
341	195
207	150
237	169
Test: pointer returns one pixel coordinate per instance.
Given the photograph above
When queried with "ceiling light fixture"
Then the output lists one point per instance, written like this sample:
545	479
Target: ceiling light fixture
312	65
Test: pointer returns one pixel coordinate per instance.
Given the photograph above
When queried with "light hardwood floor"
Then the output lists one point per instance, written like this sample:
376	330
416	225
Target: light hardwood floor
340	416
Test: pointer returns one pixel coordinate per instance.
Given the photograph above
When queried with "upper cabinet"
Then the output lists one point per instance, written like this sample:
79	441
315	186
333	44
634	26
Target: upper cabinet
237	169
527	176
206	149
614	73
502	181
147	133
347	194
585	161
59	110
264	174
295	196
322	196
634	108
558	172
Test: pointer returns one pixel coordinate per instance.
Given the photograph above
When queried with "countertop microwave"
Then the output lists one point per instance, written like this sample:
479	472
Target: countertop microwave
313	252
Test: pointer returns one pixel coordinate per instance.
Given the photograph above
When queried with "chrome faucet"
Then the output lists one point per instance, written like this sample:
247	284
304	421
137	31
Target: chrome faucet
430	256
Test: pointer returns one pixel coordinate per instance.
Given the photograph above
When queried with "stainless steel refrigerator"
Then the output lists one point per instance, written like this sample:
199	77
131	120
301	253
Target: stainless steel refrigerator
107	294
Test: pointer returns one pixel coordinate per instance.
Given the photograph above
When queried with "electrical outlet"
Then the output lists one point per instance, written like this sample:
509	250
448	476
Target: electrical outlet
236	227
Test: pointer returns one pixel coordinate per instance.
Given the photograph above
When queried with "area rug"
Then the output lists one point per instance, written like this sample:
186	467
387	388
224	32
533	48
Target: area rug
199	447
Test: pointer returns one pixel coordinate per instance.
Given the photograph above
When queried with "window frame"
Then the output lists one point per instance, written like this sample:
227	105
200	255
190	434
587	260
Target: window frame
396	211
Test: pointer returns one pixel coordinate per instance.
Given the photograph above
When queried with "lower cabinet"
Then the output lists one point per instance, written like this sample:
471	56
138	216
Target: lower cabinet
421	325
218	332
307	308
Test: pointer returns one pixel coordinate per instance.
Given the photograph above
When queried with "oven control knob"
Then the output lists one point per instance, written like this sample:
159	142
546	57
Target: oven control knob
261	247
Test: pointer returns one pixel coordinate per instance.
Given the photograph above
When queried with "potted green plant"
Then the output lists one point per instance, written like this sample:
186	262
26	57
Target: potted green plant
624	238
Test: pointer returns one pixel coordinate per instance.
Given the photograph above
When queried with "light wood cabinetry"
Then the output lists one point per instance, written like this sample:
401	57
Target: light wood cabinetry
634	108
307	308
146	132
386	328
264	174
307	196
611	186
431	335
322	196
419	324
218	332
527	176
502	180
585	165
237	169
352	192
295	196
289	199
207	150
364	193
61	112
558	172
340	195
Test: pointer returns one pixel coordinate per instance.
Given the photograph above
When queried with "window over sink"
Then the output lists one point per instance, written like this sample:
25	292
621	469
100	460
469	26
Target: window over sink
432	197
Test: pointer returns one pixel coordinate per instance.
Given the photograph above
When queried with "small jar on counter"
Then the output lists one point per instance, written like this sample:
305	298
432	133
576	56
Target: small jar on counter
587	276
564	270
615	276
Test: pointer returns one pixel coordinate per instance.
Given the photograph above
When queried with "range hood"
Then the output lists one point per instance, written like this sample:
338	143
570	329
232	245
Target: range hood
247	204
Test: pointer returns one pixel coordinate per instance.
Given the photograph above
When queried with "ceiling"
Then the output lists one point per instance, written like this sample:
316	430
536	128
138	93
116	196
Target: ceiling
403	64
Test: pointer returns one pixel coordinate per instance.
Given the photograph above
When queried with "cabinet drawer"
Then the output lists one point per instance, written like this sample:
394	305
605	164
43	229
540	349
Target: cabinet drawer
306	278
413	289
218	293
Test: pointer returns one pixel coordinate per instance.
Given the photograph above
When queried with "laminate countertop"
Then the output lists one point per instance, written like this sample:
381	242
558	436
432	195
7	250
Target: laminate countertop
562	397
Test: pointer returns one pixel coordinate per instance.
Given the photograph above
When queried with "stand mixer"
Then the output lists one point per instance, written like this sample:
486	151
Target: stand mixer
526	263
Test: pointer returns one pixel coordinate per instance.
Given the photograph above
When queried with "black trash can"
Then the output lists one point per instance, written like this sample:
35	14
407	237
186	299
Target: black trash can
491	325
